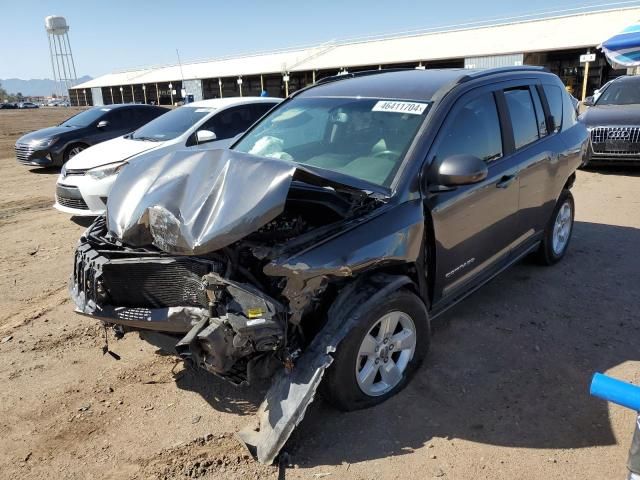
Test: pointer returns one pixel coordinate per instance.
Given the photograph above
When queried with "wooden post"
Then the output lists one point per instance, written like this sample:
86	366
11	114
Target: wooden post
133	97
157	95
584	80
585	77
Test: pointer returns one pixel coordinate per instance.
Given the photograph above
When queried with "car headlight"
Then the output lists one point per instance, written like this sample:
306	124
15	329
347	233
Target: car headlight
99	173
45	142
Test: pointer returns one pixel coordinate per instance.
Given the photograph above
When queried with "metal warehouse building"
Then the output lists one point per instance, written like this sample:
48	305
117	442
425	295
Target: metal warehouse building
555	42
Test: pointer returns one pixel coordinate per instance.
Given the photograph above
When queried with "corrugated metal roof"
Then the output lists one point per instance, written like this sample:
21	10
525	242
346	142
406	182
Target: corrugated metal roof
554	33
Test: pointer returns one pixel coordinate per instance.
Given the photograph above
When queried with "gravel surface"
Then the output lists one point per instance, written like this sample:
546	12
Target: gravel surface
503	395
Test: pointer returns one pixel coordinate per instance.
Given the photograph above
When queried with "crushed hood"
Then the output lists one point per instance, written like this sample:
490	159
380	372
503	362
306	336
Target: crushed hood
192	203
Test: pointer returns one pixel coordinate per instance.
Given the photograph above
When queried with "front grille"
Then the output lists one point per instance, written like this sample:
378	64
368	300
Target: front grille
24	152
70	197
114	275
76	203
616	141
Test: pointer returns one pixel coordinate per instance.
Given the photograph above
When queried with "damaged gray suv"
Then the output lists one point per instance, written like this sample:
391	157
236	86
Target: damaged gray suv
320	247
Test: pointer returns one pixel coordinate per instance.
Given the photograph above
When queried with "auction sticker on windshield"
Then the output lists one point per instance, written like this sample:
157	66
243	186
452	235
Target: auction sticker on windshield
413	108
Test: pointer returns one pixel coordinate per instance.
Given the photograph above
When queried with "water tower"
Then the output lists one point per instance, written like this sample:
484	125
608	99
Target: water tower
64	70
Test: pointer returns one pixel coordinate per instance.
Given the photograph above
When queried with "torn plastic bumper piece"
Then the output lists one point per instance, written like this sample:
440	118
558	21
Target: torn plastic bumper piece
291	393
169	319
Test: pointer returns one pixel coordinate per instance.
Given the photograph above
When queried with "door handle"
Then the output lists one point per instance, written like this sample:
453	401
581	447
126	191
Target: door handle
506	180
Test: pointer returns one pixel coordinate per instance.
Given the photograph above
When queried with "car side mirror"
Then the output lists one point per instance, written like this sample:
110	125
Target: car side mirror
204	136
458	170
103	124
588	102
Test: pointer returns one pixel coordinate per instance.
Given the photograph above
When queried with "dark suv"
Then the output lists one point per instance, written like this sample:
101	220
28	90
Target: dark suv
335	230
53	146
614	122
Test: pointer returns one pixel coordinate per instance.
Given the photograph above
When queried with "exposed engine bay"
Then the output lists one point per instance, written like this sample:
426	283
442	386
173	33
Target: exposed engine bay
231	291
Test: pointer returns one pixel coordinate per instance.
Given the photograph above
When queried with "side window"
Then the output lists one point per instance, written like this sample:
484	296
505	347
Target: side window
523	116
554	99
231	122
474	130
259	109
542	123
121	118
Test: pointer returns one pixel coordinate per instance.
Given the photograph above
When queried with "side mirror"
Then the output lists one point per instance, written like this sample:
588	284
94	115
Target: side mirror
204	136
588	102
103	124
458	170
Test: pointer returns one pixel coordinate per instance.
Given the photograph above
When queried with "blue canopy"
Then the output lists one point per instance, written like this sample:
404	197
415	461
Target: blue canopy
623	50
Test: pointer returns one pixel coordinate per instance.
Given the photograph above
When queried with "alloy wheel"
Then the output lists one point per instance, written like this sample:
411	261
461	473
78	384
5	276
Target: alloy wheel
385	352
562	228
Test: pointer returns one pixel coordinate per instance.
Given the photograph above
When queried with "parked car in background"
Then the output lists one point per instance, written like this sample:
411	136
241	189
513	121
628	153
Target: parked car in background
54	146
85	181
598	91
614	122
58	103
330	235
8	106
27	105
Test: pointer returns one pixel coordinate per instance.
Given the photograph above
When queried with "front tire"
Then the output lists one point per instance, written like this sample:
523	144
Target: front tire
377	358
558	232
72	150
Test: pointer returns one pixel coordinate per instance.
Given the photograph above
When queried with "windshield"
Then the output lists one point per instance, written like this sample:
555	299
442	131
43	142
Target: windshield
86	118
171	125
364	138
620	93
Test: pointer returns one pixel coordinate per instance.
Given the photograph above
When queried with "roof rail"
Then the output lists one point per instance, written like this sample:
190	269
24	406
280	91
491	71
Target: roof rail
485	72
363	73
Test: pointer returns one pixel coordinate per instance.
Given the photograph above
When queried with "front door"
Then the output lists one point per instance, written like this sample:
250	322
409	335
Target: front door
473	225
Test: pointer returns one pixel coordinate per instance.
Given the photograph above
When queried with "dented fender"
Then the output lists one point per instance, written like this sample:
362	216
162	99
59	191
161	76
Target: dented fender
392	236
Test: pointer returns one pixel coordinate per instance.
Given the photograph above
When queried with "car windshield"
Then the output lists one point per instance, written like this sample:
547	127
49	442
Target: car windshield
361	137
622	93
171	124
86	118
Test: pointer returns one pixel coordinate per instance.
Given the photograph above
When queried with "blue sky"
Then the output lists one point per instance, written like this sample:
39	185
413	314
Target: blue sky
117	34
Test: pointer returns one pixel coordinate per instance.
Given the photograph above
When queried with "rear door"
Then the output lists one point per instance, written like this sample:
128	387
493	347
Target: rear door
535	149
474	225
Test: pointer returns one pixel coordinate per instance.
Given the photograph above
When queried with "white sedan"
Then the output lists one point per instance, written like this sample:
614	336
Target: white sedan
86	179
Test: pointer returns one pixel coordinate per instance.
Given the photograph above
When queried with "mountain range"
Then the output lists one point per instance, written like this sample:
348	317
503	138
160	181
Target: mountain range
35	86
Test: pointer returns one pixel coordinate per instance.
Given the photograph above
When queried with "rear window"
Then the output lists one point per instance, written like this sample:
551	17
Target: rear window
523	116
554	99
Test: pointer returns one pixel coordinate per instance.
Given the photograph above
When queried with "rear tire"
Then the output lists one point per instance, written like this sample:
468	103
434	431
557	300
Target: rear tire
557	235
377	358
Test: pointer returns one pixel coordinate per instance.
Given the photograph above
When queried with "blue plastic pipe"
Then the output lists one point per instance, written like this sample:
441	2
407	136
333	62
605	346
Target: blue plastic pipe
615	391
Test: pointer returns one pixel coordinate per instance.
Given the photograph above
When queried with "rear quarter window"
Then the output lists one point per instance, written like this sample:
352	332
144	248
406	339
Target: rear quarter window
570	115
555	100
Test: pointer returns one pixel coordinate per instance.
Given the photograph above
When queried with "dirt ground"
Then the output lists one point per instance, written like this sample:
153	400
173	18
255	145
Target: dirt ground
504	394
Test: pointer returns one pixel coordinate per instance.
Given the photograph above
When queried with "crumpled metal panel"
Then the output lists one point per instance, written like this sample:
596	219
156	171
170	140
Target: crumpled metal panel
192	203
291	394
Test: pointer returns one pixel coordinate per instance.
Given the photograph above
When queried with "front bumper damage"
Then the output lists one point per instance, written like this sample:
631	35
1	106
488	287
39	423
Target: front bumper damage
200	263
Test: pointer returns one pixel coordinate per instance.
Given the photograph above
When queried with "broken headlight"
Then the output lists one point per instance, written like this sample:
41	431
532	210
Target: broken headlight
99	173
